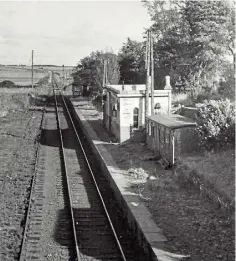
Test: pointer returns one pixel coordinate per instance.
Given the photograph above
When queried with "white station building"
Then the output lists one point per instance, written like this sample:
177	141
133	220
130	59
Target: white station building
124	108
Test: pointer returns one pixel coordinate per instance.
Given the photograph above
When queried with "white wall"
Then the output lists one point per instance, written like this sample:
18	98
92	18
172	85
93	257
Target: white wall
127	105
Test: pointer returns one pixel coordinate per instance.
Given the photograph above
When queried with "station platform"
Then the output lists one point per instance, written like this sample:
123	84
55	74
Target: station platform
137	215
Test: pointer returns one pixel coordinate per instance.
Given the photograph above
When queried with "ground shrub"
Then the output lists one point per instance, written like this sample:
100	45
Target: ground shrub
97	102
227	86
44	80
216	124
181	98
7	84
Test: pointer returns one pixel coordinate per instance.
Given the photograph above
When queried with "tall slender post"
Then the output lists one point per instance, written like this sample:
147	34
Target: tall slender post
152	77
148	75
32	69
104	73
63	69
107	62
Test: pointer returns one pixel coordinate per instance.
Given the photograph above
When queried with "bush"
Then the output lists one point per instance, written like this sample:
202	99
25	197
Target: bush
97	102
7	84
227	86
216	124
43	80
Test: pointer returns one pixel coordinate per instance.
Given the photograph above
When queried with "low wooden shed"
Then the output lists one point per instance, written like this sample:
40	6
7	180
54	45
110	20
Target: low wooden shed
170	135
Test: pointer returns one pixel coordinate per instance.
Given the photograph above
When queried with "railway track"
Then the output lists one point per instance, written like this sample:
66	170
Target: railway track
68	218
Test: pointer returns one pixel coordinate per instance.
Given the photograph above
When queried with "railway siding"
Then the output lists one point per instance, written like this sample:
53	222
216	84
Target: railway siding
139	218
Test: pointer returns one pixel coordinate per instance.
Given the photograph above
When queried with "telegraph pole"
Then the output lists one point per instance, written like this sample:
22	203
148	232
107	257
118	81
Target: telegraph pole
148	74
152	77
32	69
63	67
104	74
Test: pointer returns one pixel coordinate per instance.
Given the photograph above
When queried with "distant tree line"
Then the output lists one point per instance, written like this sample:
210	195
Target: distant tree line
193	41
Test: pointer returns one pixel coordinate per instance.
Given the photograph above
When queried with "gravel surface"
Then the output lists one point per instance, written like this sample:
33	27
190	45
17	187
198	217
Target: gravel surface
191	223
48	234
18	133
56	238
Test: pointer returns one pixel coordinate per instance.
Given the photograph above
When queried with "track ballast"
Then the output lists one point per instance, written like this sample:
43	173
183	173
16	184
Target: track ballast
83	229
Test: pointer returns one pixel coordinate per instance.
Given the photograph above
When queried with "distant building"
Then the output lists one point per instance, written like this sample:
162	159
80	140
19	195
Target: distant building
124	108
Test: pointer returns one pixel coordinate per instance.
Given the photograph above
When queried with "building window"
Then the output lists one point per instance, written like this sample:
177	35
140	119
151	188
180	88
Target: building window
114	111
135	117
153	131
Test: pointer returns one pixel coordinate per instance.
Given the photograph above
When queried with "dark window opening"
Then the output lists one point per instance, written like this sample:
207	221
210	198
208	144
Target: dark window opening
135	117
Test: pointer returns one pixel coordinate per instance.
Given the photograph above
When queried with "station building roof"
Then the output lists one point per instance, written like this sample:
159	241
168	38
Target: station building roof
126	87
173	121
132	90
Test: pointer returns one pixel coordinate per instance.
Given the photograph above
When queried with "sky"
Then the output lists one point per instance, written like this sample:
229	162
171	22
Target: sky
63	32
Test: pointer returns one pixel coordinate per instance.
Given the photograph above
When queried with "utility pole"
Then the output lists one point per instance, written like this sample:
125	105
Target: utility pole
105	73
32	69
152	77
148	74
63	69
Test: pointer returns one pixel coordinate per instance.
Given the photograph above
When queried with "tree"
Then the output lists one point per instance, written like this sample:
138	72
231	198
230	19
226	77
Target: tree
193	38
89	72
209	33
132	62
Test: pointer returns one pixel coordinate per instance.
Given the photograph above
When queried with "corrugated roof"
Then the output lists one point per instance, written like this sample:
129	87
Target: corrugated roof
173	121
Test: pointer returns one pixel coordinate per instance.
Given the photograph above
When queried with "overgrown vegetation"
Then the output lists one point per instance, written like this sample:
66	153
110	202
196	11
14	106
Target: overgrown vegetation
44	80
216	124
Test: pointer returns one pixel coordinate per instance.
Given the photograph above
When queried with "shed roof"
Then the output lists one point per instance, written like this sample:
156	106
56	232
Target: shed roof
173	121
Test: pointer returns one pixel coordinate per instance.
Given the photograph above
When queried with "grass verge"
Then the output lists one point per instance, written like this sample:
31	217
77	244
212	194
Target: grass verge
213	174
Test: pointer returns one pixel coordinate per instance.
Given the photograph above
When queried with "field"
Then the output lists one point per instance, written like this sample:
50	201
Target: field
56	68
21	75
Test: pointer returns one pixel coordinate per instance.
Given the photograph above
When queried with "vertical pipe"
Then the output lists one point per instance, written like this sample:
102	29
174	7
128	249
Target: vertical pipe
152	79
32	69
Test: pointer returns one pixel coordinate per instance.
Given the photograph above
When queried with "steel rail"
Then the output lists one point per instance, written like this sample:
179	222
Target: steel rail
21	254
95	183
66	175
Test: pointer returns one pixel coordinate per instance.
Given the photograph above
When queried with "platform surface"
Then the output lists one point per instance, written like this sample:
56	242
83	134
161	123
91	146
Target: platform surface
141	214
